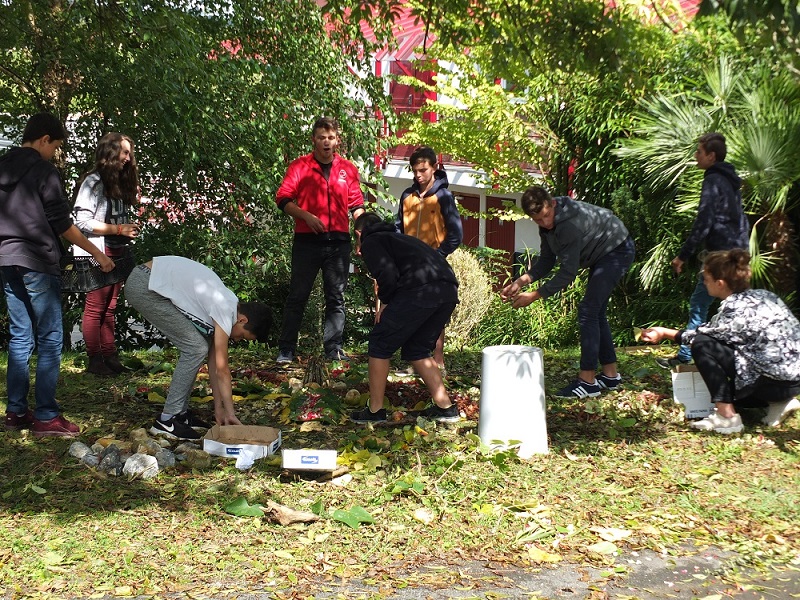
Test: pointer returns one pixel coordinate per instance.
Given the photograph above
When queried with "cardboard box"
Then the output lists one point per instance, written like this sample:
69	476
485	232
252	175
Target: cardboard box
309	460
232	440
689	389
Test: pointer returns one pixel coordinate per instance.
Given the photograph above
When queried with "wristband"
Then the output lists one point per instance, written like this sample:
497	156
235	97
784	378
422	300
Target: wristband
119	229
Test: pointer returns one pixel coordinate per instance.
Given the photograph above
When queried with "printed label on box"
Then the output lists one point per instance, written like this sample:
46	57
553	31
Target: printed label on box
689	389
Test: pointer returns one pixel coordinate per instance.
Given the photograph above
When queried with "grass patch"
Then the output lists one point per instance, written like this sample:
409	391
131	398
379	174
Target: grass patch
623	472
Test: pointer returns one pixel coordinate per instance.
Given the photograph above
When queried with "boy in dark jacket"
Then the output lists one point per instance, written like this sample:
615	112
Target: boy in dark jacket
33	213
720	224
428	212
418	293
578	235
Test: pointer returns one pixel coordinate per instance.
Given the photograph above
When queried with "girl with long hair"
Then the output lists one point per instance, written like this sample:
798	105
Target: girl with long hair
102	212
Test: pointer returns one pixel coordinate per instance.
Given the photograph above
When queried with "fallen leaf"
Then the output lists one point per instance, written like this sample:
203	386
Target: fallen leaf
241	508
538	555
603	548
611	534
311	426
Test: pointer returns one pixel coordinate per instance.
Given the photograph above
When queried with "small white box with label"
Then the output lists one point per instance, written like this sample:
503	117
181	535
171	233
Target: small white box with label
309	460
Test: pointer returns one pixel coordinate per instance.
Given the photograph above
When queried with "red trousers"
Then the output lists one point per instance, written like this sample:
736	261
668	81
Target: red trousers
98	316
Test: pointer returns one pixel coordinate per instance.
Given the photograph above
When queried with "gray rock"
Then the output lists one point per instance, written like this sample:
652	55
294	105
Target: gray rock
137	435
110	461
165	458
184	446
148	446
90	460
79	450
197	459
140	465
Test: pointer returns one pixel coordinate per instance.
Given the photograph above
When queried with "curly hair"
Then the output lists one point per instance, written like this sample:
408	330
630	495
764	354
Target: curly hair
120	180
731	266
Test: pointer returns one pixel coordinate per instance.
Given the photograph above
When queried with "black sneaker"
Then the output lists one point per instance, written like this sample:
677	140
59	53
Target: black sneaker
579	389
443	415
671	363
608	383
365	415
187	417
285	357
337	354
174	430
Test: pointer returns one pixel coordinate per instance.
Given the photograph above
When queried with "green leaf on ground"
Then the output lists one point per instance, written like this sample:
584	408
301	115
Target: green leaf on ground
241	508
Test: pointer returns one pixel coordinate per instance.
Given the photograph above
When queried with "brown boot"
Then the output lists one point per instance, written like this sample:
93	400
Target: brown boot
98	367
112	362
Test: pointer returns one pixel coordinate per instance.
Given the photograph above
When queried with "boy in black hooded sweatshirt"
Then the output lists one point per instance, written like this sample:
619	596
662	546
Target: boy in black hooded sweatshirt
34	213
720	224
418	292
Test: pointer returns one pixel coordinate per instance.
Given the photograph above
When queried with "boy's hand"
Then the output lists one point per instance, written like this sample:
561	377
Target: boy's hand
510	292
523	299
106	264
222	417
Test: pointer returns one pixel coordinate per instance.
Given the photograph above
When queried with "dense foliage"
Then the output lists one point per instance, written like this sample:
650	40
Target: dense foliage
218	97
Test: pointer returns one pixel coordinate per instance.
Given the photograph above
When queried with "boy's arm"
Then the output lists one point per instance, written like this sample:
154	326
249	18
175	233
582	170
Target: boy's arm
219	374
74	236
454	231
702	222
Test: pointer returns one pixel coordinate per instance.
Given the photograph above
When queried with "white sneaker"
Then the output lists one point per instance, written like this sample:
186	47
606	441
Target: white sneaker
719	424
778	411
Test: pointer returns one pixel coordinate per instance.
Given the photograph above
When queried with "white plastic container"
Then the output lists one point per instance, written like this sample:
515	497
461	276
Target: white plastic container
512	399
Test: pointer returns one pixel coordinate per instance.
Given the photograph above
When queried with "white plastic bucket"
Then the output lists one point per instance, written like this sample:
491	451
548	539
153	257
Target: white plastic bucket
512	404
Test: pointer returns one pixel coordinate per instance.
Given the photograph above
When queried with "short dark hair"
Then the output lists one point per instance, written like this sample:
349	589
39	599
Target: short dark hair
259	319
535	199
326	123
423	153
365	220
731	266
714	142
42	124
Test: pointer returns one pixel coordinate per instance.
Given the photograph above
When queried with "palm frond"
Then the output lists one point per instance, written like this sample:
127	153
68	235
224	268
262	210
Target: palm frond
665	136
657	266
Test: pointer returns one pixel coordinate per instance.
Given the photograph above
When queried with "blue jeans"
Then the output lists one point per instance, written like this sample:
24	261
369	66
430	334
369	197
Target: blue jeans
698	313
596	341
308	257
34	311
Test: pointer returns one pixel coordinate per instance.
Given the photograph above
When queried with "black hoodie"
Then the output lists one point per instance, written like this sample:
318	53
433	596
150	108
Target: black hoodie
407	269
33	211
720	223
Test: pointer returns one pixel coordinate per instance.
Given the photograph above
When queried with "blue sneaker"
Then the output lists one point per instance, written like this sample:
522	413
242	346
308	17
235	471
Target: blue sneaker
285	357
609	383
579	389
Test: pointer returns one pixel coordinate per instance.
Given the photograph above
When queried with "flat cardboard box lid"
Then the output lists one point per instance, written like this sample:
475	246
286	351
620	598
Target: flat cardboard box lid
686	369
243	434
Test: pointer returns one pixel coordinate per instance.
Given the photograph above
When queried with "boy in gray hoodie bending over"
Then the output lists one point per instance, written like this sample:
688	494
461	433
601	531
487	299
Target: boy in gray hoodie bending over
578	235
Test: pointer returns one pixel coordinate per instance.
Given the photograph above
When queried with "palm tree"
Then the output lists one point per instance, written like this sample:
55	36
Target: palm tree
759	113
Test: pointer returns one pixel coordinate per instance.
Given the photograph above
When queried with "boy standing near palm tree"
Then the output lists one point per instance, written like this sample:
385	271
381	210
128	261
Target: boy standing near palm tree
720	224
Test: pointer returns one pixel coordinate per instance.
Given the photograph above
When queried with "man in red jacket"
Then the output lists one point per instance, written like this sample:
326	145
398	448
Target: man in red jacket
320	192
